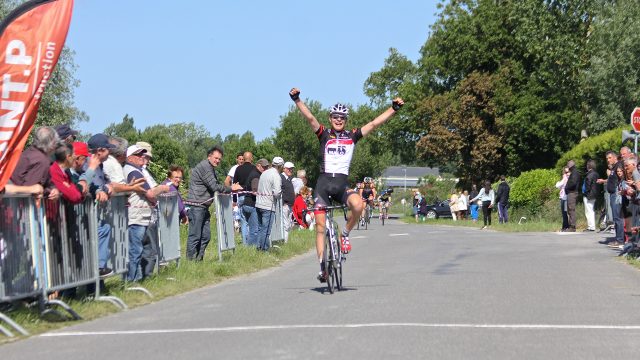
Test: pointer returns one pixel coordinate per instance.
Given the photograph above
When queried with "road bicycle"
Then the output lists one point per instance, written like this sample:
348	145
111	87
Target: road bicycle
365	218
333	256
383	212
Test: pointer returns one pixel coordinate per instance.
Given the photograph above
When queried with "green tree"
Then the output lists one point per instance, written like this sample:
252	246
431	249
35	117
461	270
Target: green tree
125	129
464	127
611	82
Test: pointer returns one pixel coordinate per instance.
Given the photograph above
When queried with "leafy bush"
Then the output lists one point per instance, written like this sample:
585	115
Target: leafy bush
593	148
532	189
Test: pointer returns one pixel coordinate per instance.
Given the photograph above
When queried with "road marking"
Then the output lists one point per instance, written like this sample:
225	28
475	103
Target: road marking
346	326
357	237
403	234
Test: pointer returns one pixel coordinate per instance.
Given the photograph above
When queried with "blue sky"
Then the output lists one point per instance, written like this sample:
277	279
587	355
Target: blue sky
228	65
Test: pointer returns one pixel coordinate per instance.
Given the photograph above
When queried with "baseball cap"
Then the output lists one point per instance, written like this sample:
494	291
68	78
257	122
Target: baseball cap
80	149
98	141
135	149
65	131
289	165
146	146
278	161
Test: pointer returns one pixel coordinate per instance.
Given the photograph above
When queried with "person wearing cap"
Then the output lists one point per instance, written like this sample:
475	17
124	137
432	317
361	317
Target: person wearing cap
147	158
288	197
571	188
98	185
141	218
269	191
66	133
337	146
203	184
34	163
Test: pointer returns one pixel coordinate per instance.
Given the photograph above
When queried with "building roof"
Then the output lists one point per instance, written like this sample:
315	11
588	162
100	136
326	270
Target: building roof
396	176
413	172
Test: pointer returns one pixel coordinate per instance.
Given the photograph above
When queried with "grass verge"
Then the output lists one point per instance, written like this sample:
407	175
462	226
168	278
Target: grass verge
171	280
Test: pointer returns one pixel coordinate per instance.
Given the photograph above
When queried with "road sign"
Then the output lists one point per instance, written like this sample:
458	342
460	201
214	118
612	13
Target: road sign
635	119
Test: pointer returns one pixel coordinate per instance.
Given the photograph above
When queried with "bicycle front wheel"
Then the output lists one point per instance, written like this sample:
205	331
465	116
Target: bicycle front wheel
328	262
383	215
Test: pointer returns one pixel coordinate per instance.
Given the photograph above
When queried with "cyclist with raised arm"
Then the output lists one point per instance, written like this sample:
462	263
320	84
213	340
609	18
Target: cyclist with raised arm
384	201
368	192
337	145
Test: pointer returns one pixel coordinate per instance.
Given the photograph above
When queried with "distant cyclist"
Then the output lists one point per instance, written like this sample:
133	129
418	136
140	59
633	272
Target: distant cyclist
384	201
368	191
337	145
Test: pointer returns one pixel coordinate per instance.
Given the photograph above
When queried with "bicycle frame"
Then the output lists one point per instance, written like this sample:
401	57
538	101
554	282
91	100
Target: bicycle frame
333	256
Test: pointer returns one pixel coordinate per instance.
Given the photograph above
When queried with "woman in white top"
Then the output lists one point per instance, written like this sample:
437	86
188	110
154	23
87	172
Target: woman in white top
487	197
462	205
563	198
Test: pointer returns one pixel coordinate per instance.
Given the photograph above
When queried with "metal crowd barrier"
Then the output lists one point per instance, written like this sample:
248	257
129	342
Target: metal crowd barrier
114	213
224	220
168	228
277	225
19	246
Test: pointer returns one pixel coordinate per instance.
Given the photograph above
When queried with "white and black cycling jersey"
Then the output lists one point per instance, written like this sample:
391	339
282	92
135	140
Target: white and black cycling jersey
336	149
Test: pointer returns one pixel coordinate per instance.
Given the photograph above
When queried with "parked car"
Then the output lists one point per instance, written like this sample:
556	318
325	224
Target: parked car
440	209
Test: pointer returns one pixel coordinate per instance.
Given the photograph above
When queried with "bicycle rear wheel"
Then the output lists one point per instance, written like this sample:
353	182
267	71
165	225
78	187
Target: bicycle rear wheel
383	215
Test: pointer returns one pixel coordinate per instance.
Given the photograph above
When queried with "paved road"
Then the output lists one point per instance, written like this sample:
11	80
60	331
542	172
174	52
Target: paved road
412	292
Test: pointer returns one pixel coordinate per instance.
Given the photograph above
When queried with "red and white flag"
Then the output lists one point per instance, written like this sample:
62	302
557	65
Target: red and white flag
31	39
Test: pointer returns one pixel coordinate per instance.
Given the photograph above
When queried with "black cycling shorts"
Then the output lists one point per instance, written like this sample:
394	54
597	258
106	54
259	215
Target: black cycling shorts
332	187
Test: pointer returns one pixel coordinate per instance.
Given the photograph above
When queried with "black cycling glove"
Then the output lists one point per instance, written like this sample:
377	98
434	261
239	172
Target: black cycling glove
295	96
396	105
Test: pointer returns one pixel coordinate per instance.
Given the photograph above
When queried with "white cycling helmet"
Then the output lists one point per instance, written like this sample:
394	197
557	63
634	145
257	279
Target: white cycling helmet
339	109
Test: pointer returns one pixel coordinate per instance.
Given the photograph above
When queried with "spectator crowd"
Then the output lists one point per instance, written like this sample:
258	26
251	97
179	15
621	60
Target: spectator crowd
56	166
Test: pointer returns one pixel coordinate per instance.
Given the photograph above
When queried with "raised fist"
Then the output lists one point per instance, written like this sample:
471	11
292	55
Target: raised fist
294	94
397	103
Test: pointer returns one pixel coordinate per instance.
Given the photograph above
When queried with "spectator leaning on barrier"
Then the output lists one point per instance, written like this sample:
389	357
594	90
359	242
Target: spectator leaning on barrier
97	184
60	179
241	176
141	217
117	156
590	193
147	159
249	211
269	190
203	185
615	206
35	161
571	188
175	175
288	197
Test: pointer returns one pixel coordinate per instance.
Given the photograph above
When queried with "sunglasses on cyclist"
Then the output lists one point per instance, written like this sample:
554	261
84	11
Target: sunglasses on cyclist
338	117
